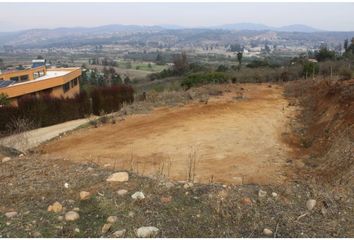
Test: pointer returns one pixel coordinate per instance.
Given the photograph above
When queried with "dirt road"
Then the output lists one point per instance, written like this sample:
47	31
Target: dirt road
230	139
30	139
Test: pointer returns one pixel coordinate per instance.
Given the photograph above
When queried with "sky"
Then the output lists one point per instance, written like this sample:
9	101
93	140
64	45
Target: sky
323	16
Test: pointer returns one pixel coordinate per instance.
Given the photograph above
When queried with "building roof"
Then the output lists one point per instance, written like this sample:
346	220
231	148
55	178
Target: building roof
6	83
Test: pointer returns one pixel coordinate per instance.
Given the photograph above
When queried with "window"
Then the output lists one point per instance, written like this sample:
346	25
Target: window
35	75
14	78
66	87
74	82
24	78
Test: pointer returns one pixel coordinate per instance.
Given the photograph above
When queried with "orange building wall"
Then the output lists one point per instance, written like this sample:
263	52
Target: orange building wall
55	84
30	72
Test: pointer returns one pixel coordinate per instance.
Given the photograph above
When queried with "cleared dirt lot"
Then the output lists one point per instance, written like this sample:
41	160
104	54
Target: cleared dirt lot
231	139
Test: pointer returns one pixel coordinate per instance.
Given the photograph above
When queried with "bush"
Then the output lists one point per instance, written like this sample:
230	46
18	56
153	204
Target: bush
198	79
110	99
46	110
345	74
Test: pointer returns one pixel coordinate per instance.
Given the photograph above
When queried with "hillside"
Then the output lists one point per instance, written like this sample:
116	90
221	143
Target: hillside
62	189
225	34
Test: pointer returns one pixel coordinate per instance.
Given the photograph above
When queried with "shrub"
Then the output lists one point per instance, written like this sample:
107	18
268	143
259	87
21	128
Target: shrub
197	79
110	99
46	110
345	74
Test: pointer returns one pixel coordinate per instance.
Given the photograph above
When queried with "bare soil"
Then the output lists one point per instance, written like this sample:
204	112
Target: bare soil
233	138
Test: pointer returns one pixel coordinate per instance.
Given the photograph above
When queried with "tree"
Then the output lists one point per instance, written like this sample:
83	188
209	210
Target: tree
239	59
345	44
325	54
159	59
180	63
116	79
40	57
2	65
4	101
266	49
310	68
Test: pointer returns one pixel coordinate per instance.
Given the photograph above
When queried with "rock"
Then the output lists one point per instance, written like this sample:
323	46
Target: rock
6	159
11	214
274	194
169	185
71	201
118	177
138	196
84	195
246	201
324	211
120	233
55	207
112	219
21	155
237	180
299	164
131	214
267	232
262	193
166	200
66	185
122	192
36	234
310	204
60	218
106	228
71	216
222	195
188	185
89	169
77	230
147	232
76	209
107	165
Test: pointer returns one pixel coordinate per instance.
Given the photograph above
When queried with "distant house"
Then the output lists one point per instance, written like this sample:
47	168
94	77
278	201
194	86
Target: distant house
38	80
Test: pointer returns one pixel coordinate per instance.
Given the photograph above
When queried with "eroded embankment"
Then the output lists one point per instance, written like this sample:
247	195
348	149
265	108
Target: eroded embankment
234	138
326	137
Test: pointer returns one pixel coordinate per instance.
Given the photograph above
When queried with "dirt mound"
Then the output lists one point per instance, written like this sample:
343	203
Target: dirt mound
327	138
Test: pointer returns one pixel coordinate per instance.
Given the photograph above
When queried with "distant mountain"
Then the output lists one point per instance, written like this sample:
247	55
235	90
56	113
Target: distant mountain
171	35
244	26
171	26
298	28
261	27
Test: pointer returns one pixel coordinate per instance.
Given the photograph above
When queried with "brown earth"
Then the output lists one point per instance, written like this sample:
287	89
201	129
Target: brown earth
325	141
234	138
